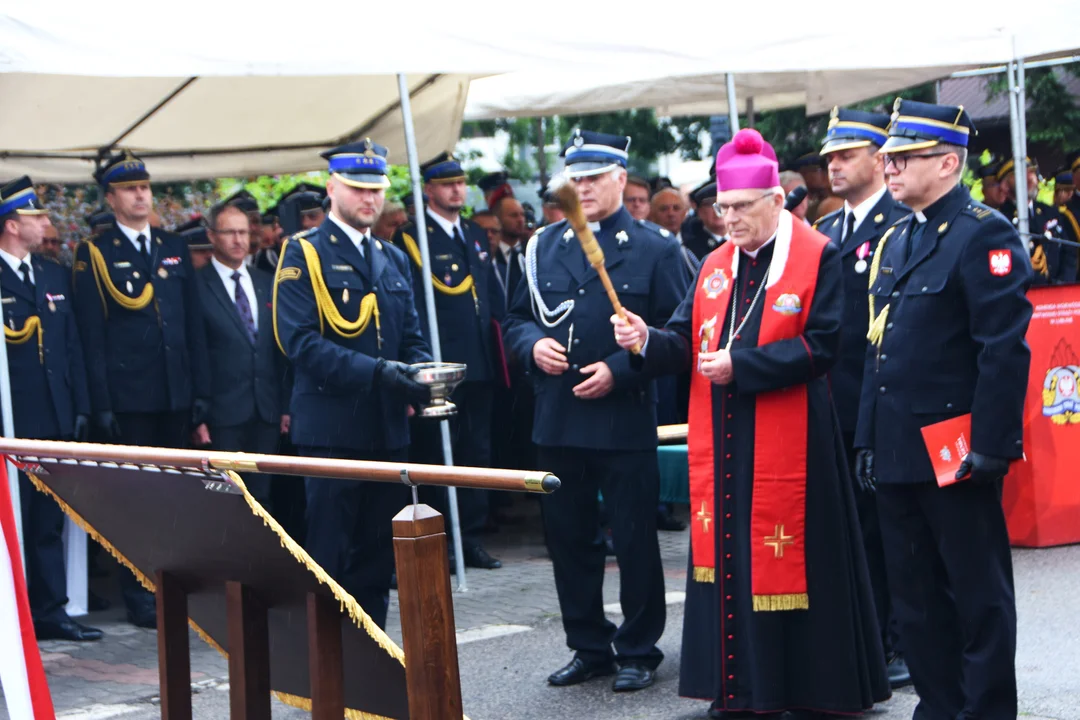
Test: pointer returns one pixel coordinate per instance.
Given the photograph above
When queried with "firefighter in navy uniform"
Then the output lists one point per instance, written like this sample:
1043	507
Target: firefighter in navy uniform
467	298
595	419
49	396
1053	262
947	297
344	316
706	230
856	174
140	321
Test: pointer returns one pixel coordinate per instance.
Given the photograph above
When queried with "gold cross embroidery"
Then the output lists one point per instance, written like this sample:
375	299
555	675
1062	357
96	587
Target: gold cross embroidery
779	540
704	517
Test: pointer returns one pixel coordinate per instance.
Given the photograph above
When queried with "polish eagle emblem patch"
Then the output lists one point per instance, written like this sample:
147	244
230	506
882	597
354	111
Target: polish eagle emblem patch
1000	262
714	284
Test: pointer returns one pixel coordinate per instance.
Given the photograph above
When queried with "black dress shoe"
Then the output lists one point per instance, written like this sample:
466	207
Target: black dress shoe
897	668
633	676
143	618
66	630
477	557
578	671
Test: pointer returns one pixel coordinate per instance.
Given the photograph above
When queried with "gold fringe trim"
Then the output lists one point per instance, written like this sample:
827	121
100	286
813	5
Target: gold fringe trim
793	601
704	574
347	602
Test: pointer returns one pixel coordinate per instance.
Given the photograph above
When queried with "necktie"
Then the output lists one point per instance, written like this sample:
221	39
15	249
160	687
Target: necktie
244	308
849	226
457	235
914	238
144	250
25	270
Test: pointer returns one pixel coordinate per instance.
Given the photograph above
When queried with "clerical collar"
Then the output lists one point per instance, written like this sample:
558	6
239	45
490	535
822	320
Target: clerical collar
754	253
607	223
863	209
935	208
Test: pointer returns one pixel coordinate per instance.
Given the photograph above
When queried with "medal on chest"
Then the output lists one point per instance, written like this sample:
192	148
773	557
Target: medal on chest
862	253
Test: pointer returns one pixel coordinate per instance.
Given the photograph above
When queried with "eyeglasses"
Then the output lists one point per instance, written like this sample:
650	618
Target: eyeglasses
738	208
901	160
232	233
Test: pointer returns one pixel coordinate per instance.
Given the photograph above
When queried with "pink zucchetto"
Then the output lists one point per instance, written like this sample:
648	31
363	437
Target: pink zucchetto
747	162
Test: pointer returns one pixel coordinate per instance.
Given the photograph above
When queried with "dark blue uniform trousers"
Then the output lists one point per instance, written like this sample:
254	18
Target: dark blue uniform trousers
950	574
350	534
630	483
43	543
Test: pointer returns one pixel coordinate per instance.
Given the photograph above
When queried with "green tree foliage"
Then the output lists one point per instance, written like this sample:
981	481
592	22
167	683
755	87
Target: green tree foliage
1053	116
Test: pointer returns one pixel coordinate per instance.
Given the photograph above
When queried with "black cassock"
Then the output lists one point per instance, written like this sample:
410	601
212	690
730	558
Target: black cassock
828	658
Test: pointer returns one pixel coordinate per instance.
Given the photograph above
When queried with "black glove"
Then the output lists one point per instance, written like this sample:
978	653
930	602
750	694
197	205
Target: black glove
82	428
864	470
983	468
200	410
108	425
397	377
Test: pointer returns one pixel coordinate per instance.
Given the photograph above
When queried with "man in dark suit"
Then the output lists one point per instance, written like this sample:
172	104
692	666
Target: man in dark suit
246	367
467	298
353	383
948	300
140	320
857	175
49	397
595	419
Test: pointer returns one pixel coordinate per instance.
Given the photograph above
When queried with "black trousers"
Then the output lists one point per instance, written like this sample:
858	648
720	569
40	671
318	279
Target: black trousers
43	543
254	436
870	523
950	572
630	482
167	430
349	528
470	442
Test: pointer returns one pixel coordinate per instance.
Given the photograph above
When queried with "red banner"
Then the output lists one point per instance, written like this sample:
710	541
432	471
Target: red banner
1042	493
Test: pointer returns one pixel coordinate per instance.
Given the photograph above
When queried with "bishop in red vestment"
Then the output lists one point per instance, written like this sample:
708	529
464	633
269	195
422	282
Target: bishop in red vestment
779	614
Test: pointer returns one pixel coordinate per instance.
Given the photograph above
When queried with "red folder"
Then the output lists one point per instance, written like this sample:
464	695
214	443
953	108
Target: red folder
948	442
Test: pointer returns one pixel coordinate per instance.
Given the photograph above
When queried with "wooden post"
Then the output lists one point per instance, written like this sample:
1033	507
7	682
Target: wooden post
249	654
174	655
427	615
324	658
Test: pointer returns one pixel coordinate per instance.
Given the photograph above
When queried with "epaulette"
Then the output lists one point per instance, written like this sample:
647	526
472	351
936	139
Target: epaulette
825	217
304	233
978	211
662	232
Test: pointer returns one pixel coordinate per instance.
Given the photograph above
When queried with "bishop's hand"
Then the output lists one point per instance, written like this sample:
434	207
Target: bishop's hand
630	333
717	366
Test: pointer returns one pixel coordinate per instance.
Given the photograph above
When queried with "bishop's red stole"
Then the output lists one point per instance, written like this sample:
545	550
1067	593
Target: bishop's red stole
778	511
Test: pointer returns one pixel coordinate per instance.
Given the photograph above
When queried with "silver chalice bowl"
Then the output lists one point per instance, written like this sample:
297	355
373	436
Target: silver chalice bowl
442	378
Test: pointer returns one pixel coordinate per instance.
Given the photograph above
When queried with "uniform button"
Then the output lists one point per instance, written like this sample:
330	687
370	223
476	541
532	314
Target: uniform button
730	677
888	326
881	389
948	406
895	294
729	557
574	366
581	291
730	697
625	287
729	396
747	301
728	456
728	496
545	284
577	341
729	477
728	516
730	657
883	357
739	337
729	416
730	637
727	537
728	576
924	289
167	348
729	436
751	283
50	372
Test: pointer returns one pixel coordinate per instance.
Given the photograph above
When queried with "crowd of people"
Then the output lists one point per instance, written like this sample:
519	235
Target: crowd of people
827	565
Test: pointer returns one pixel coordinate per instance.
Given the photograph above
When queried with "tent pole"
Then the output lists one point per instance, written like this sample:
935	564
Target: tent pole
429	304
732	105
750	111
9	432
1016	108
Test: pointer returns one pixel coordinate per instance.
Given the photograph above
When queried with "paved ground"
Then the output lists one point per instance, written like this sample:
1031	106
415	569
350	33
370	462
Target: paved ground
510	639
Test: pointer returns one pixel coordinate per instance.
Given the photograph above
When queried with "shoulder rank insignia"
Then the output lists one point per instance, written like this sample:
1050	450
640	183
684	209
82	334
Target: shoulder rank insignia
288	273
942	227
982	213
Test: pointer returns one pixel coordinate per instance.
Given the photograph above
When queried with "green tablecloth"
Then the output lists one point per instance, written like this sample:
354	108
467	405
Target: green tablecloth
674	474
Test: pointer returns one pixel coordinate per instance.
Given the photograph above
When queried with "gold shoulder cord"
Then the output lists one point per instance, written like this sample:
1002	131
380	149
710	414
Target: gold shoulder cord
31	327
466	285
328	312
101	277
877	321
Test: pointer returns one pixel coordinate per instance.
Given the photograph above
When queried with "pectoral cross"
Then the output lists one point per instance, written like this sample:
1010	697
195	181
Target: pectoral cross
779	540
704	517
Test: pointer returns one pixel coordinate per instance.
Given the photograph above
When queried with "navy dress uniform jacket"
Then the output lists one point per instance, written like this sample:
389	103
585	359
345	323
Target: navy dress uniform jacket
45	395
151	360
954	338
248	378
847	374
646	266
464	324
1046	223
335	401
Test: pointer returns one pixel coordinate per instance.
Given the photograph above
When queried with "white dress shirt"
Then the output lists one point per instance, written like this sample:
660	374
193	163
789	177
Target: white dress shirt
355	236
133	235
863	209
226	274
15	262
447	225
